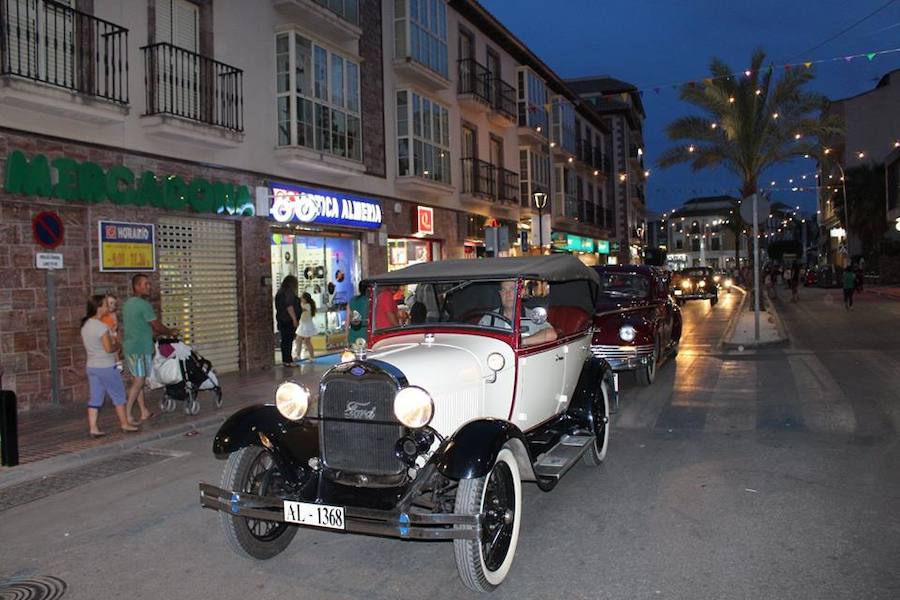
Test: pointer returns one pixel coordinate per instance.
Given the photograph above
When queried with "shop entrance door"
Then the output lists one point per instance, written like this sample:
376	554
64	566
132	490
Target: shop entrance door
328	269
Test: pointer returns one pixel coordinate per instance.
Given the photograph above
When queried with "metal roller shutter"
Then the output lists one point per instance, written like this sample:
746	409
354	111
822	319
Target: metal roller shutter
198	281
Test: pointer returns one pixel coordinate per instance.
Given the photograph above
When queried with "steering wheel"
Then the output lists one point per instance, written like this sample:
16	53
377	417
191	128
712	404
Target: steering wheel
497	315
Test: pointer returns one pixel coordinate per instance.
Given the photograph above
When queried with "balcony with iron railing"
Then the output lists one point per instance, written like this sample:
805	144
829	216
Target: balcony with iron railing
474	84
483	180
508	185
503	102
50	43
194	87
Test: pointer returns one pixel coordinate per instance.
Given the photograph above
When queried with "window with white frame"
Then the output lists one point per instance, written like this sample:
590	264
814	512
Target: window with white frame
423	137
563	130
566	198
420	33
317	103
533	101
534	174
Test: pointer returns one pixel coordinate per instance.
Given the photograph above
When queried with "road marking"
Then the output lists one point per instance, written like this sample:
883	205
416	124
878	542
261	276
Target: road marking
736	385
824	406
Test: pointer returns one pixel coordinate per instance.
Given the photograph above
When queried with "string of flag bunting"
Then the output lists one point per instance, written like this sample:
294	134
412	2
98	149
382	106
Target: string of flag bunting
848	58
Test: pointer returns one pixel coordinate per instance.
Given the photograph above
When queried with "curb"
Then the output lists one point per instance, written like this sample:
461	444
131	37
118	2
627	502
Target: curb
732	322
50	466
782	341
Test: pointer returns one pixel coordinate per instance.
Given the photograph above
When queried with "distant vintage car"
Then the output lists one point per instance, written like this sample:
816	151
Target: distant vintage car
695	283
637	324
428	433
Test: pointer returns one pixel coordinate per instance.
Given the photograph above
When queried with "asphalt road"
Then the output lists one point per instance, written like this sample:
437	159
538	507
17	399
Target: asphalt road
751	475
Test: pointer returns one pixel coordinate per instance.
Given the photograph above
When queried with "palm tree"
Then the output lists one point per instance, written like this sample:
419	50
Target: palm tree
749	122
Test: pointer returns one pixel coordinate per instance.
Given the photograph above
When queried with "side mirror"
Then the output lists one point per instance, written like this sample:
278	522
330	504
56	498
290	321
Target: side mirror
539	315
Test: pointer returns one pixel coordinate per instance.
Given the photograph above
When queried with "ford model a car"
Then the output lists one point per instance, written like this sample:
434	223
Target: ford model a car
484	380
695	283
637	323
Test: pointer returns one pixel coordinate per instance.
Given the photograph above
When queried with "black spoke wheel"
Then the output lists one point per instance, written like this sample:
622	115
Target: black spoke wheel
252	470
497	498
599	424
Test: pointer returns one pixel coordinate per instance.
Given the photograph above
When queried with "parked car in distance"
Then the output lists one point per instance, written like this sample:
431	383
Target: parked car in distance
429	432
695	283
811	277
637	323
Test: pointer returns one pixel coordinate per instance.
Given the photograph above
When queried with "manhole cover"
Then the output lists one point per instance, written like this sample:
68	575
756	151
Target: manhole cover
29	491
34	588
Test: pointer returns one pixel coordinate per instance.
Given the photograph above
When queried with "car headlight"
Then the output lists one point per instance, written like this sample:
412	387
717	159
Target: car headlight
292	400
413	407
685	284
716	278
627	333
728	283
702	283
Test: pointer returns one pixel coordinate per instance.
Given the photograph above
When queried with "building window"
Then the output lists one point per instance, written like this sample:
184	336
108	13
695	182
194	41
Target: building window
420	33
679	245
563	129
317	99
533	101
695	244
695	227
566	198
346	9
715	244
678	227
423	137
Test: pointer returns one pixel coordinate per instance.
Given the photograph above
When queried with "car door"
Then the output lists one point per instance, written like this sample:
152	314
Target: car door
541	374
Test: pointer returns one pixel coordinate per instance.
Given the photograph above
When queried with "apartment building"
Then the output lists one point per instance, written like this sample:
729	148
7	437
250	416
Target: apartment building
871	136
699	234
222	145
620	105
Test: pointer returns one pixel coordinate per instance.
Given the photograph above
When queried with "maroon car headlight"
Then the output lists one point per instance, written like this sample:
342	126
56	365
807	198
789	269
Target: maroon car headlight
627	333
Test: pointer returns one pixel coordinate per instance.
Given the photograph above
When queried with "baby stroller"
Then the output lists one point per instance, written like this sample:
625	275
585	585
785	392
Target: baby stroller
184	373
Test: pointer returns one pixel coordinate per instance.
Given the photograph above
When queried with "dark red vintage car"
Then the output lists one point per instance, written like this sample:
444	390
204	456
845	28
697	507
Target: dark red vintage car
637	323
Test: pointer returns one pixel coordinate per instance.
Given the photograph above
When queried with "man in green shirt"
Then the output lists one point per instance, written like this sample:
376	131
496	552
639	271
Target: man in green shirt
141	324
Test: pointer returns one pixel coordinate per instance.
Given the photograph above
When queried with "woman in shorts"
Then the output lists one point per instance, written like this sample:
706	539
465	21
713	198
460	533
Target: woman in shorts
103	377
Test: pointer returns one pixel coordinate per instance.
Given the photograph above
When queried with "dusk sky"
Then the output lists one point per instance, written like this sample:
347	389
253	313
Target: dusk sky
652	43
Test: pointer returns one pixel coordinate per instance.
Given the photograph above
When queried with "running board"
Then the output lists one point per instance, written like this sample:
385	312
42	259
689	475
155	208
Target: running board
562	456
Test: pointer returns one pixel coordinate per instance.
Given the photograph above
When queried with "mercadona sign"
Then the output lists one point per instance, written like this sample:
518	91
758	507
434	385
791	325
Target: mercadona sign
88	182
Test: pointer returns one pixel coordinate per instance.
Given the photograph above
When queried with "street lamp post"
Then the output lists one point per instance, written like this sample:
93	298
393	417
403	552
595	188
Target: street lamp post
846	214
540	201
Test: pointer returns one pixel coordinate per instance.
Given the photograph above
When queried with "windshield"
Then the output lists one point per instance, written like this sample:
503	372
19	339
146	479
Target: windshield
624	285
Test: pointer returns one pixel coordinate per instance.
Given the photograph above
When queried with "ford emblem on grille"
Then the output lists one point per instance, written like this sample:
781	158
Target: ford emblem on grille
358	371
360	410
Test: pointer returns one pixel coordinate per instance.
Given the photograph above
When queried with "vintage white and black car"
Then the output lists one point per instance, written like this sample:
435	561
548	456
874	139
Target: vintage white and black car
695	283
429	431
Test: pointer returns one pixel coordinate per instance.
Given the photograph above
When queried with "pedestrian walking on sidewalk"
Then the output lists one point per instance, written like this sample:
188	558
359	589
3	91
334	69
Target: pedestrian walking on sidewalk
102	350
307	327
287	316
849	281
795	282
141	324
358	315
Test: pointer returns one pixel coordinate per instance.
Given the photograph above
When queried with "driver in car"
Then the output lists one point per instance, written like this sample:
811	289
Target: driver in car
532	333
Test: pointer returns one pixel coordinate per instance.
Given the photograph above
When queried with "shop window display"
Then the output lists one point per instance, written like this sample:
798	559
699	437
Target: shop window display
328	269
405	252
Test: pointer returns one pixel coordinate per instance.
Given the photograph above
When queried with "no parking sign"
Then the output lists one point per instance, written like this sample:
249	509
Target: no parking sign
47	229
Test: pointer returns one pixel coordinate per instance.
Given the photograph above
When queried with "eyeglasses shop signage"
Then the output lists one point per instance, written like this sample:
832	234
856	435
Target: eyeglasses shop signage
69	180
296	204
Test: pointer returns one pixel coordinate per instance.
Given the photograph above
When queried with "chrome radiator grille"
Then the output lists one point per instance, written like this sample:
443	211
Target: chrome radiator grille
618	352
359	446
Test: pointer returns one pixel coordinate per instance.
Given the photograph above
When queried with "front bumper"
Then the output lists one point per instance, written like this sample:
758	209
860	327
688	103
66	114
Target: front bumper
393	523
623	358
694	295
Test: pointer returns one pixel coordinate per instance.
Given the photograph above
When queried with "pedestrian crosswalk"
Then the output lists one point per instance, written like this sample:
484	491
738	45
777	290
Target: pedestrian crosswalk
848	393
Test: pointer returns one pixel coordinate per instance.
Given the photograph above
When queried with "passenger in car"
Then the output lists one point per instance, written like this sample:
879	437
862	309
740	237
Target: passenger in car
532	333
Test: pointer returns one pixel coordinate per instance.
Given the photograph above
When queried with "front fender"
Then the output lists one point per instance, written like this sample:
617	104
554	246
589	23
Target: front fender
473	449
587	391
291	443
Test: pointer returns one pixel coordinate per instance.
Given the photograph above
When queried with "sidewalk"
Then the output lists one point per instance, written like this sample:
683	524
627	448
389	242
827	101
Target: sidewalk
62	431
741	332
888	291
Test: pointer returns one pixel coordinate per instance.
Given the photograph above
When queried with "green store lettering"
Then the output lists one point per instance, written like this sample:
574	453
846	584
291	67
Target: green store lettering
87	182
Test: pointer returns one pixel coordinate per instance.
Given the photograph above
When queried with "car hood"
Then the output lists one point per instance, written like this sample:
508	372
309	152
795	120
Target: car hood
606	304
453	369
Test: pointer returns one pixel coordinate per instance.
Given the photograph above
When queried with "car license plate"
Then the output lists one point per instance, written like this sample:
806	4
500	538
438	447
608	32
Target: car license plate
317	515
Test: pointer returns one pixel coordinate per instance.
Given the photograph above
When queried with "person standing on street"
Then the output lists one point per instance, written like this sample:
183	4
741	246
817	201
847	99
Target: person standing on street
849	281
307	327
287	315
102	347
795	282
358	315
141	324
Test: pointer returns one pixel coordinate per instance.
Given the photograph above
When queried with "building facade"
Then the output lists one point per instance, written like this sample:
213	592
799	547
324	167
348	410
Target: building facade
338	139
699	233
871	136
623	111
